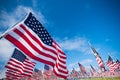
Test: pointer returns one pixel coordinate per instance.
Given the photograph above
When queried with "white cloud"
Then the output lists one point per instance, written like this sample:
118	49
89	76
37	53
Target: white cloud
76	44
85	62
9	19
6	50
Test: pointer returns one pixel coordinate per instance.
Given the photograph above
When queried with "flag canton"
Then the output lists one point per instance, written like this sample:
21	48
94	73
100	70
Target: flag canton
36	70
46	67
37	27
18	55
110	59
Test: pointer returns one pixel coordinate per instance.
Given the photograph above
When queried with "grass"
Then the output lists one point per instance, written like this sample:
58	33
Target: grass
116	78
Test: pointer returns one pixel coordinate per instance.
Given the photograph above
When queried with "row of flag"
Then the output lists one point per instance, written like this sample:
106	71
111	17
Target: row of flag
82	73
33	41
30	37
18	66
112	65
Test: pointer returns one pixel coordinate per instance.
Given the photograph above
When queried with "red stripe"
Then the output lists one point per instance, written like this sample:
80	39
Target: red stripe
16	65
61	70
43	46
25	50
64	67
59	51
62	61
31	44
13	69
36	40
30	54
15	61
59	74
28	64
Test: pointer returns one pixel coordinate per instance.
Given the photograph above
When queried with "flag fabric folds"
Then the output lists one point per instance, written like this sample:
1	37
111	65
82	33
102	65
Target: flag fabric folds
110	61
112	65
74	73
19	65
33	39
82	69
98	58
92	68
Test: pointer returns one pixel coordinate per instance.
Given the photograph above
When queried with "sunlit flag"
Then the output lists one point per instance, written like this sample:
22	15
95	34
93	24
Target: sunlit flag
19	65
98	59
74	73
117	64
82	69
33	39
114	66
92	68
109	62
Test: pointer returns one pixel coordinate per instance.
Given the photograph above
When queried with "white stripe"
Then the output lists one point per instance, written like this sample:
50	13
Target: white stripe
15	68
35	43
34	34
28	65
56	70
13	63
62	68
29	47
13	59
58	49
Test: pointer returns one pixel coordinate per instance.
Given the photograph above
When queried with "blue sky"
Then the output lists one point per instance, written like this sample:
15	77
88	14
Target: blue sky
72	23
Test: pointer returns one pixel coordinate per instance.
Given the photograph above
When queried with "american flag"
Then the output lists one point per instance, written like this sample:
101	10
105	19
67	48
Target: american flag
110	61
117	63
82	69
47	71
92	68
114	66
74	73
98	58
33	39
19	65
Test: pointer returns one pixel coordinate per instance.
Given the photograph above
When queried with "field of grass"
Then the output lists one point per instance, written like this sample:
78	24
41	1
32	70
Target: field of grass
116	78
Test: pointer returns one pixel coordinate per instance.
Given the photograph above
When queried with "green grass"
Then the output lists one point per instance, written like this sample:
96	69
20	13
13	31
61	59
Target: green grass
116	78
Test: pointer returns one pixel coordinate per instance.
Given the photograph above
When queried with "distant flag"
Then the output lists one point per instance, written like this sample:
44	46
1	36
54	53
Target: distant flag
33	39
36	70
91	72
46	67
92	68
114	66
117	64
37	74
98	59
110	61
74	73
82	69
47	71
19	65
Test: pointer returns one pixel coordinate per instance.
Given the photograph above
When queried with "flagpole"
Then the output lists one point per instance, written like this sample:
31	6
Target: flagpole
3	34
10	28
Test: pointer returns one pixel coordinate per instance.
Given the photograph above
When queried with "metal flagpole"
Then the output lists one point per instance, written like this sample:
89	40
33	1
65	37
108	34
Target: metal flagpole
2	36
10	28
